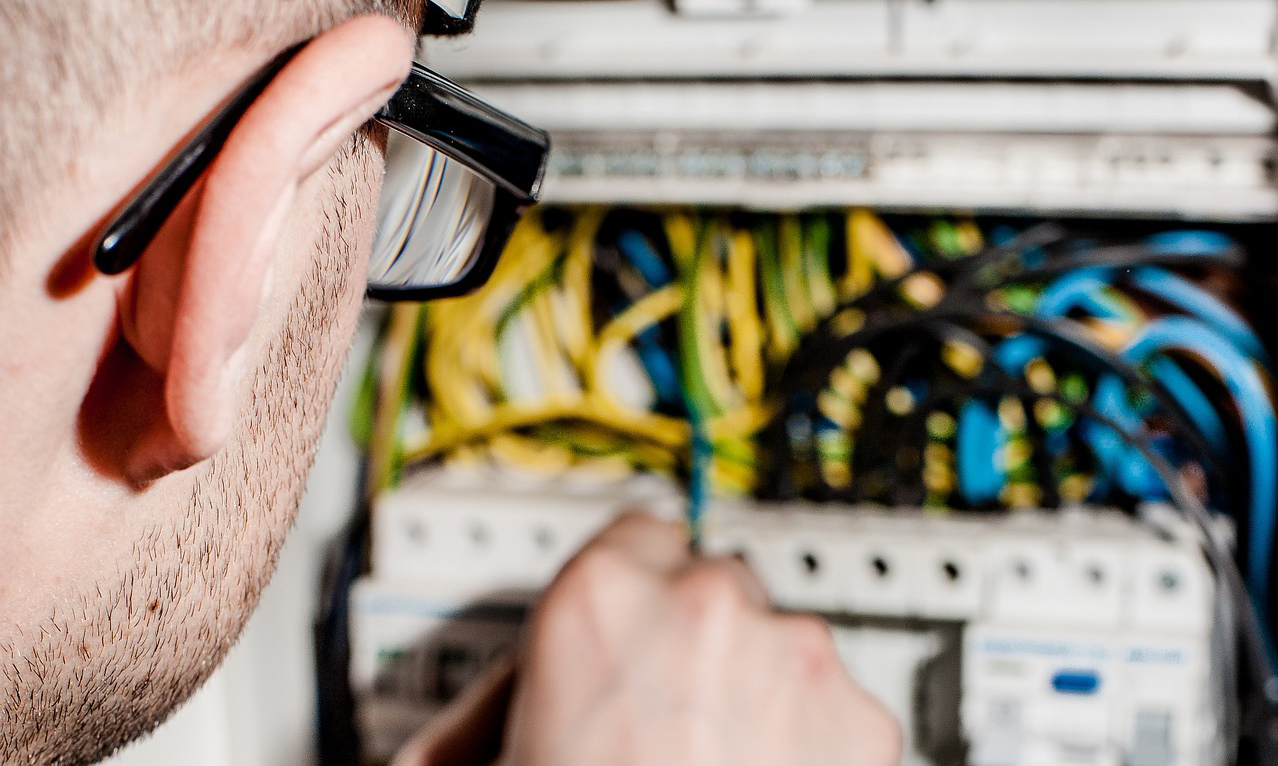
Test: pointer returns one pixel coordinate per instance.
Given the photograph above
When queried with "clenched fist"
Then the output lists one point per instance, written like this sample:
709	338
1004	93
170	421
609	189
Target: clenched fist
642	655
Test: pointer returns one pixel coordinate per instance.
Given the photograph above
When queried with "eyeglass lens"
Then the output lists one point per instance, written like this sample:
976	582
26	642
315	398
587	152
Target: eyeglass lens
433	218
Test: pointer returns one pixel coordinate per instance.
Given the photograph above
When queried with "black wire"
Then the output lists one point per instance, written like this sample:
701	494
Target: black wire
1034	430
1003	265
337	734
1038	236
916	423
912	489
1259	706
874	415
810	370
969	279
999	267
962	308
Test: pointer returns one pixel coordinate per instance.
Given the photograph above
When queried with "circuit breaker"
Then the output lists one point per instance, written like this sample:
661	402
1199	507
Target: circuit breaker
1038	638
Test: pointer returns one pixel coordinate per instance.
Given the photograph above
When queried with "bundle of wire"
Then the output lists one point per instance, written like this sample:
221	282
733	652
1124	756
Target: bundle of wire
951	364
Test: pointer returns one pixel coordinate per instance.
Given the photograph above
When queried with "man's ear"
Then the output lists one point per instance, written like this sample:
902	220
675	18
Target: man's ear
191	304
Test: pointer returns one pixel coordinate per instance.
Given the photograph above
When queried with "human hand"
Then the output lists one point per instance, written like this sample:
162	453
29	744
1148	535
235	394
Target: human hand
640	654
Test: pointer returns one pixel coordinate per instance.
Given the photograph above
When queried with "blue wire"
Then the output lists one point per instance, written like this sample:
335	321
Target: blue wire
1002	234
1194	401
1256	413
1194	300
698	478
1031	257
1084	289
659	365
639	251
979	443
1110	399
656	361
1079	289
1018	351
1118	459
1194	243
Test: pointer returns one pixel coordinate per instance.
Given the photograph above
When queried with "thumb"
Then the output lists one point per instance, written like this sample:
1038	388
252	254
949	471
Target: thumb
469	731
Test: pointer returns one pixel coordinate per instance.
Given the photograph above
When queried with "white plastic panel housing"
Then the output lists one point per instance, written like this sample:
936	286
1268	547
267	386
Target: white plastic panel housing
936	615
1118	39
453	532
1151	108
1026	697
1200	151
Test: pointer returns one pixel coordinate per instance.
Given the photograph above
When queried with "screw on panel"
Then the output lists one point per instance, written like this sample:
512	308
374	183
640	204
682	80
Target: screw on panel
544	538
951	571
415	530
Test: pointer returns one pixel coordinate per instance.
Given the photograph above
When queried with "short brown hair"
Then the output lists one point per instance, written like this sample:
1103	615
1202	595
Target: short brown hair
64	63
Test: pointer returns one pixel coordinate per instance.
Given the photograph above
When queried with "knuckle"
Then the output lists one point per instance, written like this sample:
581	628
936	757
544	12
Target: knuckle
584	585
710	588
642	521
595	567
634	528
812	646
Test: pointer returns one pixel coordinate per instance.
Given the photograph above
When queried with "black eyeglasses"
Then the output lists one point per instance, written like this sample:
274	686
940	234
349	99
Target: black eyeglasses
459	173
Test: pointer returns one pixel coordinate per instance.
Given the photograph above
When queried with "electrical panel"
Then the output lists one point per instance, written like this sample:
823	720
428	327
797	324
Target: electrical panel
948	314
1085	637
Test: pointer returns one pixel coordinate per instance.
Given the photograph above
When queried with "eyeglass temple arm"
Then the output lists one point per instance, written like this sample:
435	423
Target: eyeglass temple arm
427	107
122	242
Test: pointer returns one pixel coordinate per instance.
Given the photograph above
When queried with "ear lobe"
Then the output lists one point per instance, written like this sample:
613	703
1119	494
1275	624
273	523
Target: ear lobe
190	308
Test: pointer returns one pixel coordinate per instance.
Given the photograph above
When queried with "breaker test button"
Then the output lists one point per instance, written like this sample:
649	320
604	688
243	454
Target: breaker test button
1076	682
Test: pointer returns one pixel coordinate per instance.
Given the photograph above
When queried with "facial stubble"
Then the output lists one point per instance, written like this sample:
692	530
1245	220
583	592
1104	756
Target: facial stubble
114	662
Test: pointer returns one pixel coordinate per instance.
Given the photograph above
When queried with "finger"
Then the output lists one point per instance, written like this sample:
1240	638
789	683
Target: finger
650	542
469	731
737	570
751	583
